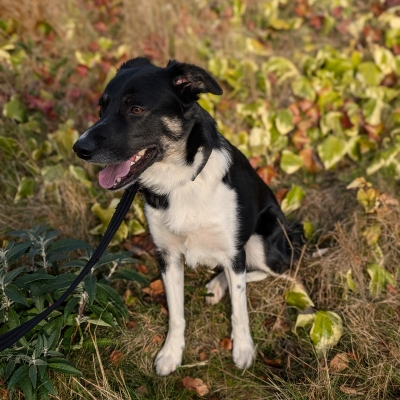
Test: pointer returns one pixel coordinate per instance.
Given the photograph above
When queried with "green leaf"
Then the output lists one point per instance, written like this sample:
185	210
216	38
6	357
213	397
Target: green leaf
369	73
33	375
60	282
64	368
290	162
302	87
304	320
298	297
351	284
17	251
379	278
15	109
72	302
9	276
113	295
131	276
90	286
284	121
36	276
103	315
66	245
81	175
26	386
332	150
293	199
99	322
23	370
49	385
13	293
326	331
13	319
26	188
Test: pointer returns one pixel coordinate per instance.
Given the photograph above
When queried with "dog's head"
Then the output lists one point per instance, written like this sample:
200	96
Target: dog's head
142	105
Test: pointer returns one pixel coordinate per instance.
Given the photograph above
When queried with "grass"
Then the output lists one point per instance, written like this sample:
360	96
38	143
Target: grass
287	366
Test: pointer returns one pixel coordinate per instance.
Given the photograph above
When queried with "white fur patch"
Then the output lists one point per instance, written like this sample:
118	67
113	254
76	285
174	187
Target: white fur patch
201	220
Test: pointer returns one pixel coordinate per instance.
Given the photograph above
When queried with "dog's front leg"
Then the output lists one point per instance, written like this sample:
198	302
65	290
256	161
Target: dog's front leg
243	348
170	356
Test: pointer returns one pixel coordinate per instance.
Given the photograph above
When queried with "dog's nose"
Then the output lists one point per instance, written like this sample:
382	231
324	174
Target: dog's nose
84	149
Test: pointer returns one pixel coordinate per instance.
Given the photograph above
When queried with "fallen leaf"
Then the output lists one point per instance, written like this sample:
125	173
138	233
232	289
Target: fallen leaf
226	343
277	362
164	311
350	390
143	269
115	356
391	289
131	324
202	355
196	385
157	286
280	194
266	174
352	355
339	363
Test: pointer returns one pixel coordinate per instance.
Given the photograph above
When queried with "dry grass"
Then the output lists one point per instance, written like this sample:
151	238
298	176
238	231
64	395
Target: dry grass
371	328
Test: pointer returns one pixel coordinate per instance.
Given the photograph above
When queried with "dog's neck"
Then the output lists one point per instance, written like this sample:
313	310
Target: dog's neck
184	159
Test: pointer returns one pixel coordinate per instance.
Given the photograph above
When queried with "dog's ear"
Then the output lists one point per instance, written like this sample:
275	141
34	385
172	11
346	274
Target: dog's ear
134	62
190	80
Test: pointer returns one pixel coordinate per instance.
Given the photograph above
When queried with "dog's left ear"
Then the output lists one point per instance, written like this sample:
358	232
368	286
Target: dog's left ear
191	80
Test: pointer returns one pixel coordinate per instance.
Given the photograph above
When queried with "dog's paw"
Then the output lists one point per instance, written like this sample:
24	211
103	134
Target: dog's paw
217	286
243	353
168	360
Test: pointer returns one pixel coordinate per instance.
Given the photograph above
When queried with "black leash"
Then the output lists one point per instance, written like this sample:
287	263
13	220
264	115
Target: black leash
11	337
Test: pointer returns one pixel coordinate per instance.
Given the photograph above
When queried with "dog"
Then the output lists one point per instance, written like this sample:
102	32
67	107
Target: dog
204	203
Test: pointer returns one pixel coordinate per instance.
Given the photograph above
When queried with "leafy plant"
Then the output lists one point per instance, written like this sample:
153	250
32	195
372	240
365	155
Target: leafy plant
33	273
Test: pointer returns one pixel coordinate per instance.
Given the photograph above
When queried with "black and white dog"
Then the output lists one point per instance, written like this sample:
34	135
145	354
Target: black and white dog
204	202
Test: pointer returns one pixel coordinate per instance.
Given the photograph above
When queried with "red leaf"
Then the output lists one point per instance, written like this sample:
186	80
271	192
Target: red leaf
115	356
226	343
196	385
82	70
266	173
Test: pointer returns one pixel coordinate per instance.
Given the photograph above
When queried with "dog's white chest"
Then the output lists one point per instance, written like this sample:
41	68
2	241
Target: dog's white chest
200	220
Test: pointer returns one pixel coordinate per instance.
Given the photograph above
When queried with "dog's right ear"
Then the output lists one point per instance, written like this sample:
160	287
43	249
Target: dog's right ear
134	62
190	80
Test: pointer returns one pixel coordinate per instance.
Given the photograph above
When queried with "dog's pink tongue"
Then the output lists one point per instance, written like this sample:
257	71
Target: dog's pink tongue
111	173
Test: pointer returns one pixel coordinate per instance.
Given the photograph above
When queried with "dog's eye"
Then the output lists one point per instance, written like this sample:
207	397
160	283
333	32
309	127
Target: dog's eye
136	110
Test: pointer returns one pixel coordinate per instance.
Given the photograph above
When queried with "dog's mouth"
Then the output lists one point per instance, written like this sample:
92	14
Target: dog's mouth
117	176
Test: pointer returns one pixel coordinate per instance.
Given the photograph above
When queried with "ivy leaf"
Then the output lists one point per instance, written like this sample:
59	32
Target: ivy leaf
332	150
290	162
379	278
81	175
15	109
284	121
293	199
304	320
26	188
326	331
302	88
298	297
351	284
